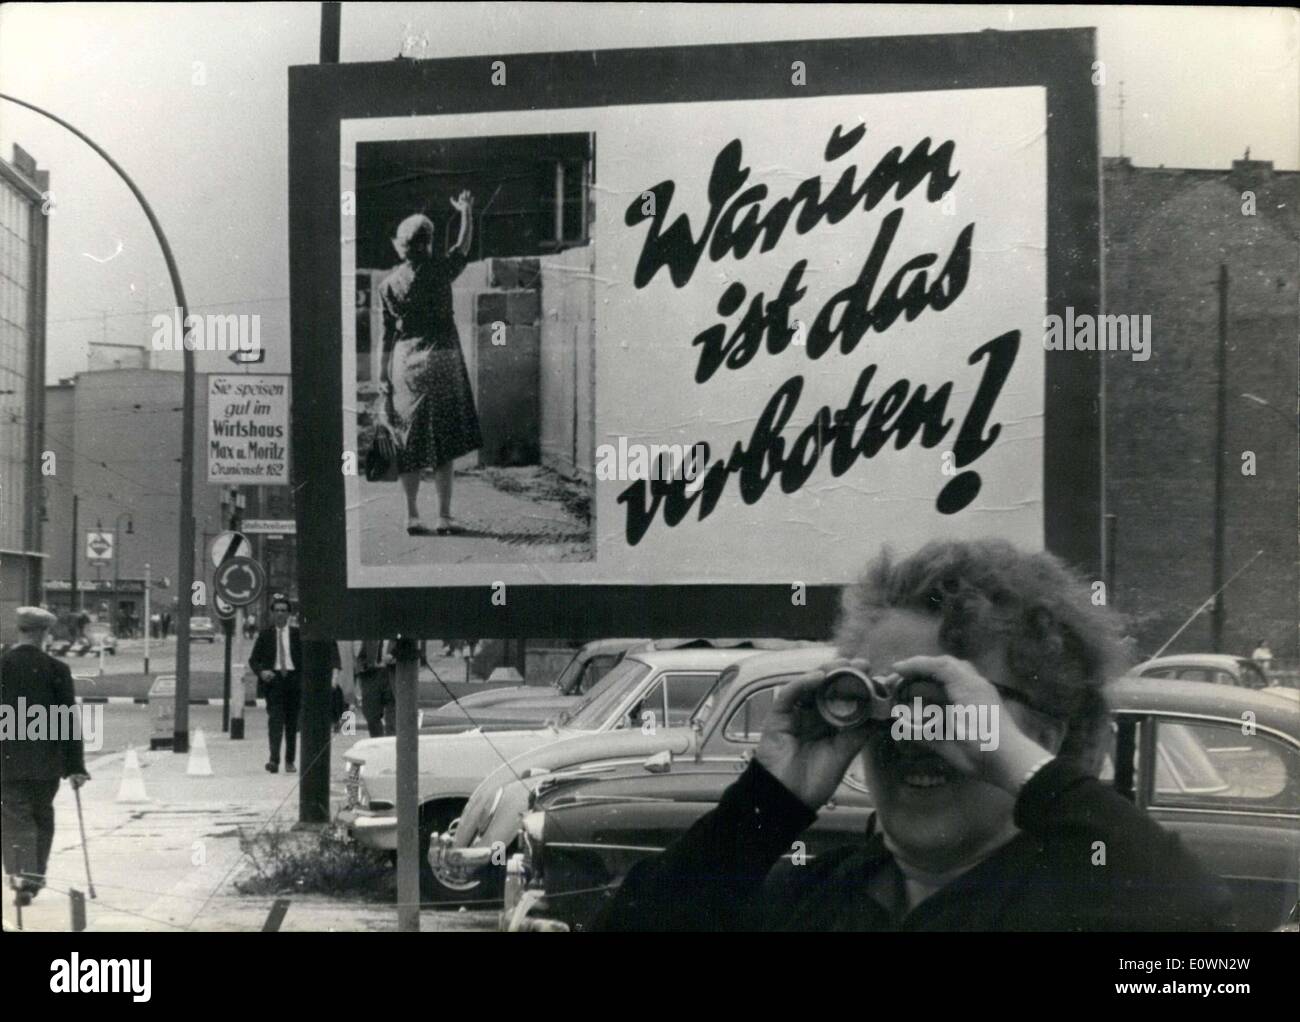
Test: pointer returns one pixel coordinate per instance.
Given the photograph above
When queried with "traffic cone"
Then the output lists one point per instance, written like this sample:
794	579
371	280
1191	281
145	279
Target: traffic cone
132	789
199	764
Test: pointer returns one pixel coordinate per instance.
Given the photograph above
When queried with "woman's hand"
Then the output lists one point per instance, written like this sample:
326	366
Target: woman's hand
1007	755
799	748
462	202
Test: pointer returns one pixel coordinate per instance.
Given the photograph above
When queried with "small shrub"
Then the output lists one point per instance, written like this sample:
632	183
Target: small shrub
287	861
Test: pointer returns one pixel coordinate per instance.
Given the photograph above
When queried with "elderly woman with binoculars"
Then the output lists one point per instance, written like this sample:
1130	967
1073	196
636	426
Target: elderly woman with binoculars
968	834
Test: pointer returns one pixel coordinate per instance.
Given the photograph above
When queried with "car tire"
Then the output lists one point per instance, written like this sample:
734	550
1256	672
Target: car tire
432	890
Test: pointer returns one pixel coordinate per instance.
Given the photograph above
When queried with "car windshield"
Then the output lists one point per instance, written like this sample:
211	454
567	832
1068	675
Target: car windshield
608	694
570	669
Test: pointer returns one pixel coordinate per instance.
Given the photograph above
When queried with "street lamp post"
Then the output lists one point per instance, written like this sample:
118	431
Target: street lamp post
185	545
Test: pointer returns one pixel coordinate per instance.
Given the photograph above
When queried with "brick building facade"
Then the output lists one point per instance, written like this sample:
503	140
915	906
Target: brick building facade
1167	232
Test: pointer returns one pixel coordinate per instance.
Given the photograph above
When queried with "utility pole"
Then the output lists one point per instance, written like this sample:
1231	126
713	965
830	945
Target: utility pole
74	602
1112	522
1220	440
148	623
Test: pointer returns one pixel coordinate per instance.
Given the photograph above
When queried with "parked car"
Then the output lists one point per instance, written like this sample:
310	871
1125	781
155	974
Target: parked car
1217	668
451	766
202	630
1231	793
530	705
98	635
471	855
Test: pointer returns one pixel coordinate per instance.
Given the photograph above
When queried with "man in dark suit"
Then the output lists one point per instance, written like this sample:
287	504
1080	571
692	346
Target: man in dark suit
373	669
32	765
277	660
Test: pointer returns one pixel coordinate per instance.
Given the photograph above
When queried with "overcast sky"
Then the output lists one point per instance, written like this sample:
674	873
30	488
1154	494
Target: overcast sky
191	99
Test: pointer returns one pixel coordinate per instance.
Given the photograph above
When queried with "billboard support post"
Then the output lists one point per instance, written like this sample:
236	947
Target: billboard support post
408	809
314	787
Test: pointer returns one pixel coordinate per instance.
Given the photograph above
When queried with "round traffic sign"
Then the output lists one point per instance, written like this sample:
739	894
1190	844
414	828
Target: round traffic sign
239	580
228	545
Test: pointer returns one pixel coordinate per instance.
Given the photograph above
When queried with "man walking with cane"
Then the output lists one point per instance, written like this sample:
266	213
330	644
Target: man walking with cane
276	660
32	767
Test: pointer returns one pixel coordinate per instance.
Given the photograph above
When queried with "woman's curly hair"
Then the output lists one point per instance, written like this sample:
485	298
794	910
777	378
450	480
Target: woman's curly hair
1059	646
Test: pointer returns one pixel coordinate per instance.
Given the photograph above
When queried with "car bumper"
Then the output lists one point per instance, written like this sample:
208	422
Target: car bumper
460	866
373	830
524	908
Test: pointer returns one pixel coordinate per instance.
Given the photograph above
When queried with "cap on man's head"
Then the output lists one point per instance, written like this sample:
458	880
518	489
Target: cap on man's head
32	618
279	598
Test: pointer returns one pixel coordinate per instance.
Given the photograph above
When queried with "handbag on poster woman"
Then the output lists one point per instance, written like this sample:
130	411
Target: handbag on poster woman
381	458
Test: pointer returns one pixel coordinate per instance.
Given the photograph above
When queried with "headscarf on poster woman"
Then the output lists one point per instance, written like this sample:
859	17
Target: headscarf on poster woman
733	227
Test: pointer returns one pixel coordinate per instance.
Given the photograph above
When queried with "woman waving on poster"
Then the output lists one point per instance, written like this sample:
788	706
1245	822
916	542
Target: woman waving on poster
428	401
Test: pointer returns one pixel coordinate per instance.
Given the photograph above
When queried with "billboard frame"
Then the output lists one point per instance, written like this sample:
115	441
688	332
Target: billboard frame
321	96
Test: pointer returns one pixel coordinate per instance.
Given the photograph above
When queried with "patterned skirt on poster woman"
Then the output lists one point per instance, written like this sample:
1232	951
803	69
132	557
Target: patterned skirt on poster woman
433	409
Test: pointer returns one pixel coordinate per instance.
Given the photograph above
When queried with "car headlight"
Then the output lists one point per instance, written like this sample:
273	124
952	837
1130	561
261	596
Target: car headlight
356	787
534	824
532	827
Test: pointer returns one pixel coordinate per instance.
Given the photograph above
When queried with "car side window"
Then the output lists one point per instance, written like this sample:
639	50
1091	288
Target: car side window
746	722
595	669
1195	674
1159	672
651	702
1217	766
685	693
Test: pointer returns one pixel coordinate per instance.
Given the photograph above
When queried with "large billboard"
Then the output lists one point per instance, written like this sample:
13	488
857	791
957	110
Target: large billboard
675	339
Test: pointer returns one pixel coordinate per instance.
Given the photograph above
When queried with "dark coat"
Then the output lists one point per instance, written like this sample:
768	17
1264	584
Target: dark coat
720	875
263	656
39	680
369	659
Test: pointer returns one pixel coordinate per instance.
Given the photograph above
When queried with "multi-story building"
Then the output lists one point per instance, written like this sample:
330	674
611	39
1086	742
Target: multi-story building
117	439
24	235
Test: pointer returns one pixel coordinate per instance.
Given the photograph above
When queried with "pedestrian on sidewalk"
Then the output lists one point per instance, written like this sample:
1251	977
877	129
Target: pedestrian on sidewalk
427	400
373	670
276	660
1263	657
31	767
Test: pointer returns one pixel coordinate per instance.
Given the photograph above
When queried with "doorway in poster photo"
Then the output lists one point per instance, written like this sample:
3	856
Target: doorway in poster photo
475	349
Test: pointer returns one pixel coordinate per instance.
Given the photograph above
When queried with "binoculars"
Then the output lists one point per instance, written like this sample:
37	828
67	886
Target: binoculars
849	698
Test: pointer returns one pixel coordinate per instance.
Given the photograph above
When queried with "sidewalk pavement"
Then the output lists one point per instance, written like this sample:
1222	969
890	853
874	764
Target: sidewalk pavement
168	864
